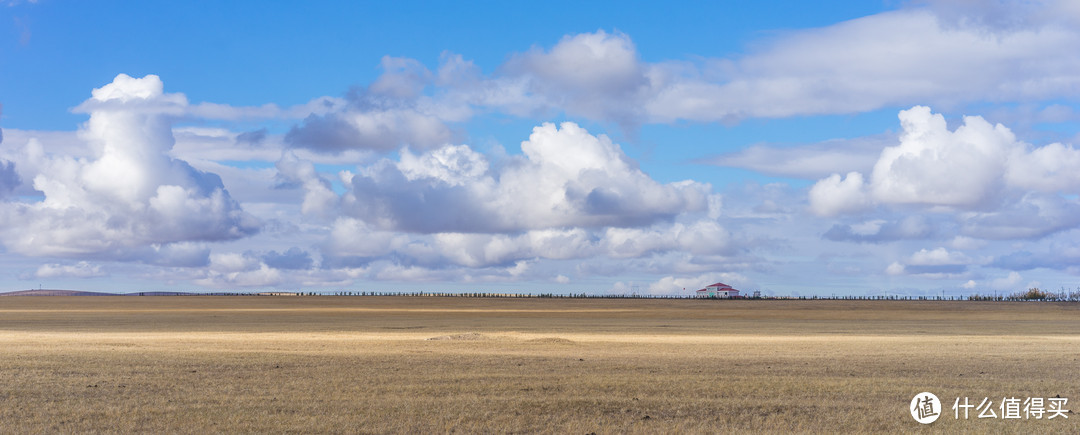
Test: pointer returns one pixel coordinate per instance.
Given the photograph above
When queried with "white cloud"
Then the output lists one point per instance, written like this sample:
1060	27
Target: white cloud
196	145
354	238
238	270
938	263
916	55
895	268
1008	282
380	129
1050	168
586	62
566	178
997	186
934	166
596	75
812	161
130	195
938	257
402	78
319	197
893	58
81	269
388	114
420	206
834	195
703	237
967	243
453	165
353	242
1033	216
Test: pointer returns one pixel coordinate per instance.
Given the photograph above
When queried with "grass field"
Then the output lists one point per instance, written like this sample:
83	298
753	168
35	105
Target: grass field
423	364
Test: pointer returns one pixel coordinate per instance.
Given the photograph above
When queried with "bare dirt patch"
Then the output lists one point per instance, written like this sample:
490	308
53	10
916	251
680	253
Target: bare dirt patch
468	336
551	340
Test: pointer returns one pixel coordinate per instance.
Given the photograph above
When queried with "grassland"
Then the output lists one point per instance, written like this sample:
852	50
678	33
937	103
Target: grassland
420	365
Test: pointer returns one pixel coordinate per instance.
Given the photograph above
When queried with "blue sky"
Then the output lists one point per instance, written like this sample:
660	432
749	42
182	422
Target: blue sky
855	148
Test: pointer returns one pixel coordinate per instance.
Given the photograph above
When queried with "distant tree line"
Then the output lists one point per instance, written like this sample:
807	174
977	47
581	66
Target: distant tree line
1032	294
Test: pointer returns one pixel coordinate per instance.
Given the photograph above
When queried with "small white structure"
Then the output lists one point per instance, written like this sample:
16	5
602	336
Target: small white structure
718	290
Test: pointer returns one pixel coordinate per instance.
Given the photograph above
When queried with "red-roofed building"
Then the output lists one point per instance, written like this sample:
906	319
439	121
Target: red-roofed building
718	290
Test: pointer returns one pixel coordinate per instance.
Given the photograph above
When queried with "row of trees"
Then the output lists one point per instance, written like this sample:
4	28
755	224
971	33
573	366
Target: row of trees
1032	294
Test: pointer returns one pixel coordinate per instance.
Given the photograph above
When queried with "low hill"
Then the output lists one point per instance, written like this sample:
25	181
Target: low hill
48	292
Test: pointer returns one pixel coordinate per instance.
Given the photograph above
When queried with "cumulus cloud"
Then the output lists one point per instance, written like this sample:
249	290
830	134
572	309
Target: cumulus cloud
934	166
319	197
1051	168
566	178
1002	187
931	166
453	165
938	257
390	113
239	270
835	195
572	203
596	75
934	263
354	243
703	237
130	195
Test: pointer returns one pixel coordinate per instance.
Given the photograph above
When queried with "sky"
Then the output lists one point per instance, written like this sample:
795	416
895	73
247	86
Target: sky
862	148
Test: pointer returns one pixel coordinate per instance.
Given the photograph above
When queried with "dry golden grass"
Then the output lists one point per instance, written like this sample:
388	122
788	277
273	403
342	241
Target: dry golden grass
368	364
